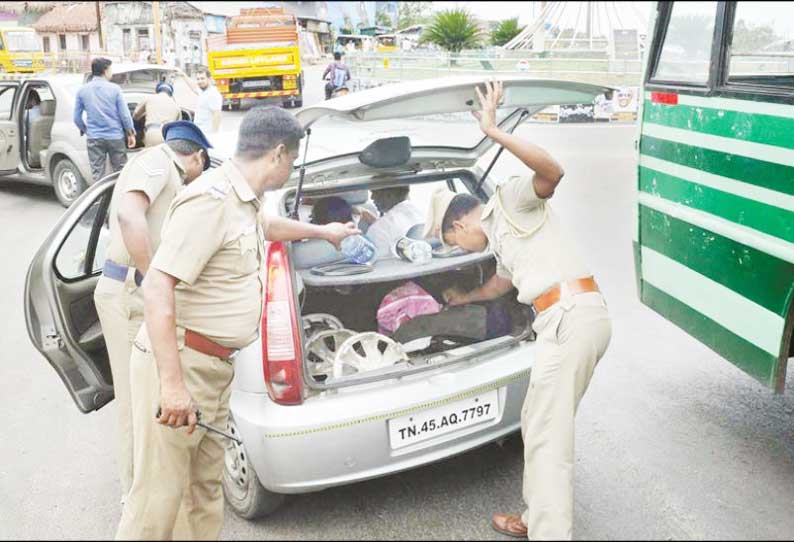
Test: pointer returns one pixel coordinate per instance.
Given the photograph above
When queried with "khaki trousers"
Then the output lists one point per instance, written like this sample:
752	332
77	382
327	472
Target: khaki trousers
176	475
120	310
572	337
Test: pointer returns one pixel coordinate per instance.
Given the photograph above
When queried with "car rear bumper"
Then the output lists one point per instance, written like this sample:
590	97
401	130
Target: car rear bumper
342	436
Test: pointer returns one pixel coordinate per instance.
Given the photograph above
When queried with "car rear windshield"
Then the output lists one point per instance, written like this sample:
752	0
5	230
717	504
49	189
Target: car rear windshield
335	136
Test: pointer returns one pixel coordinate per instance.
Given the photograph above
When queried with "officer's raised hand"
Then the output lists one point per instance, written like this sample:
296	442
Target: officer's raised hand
488	102
336	231
177	407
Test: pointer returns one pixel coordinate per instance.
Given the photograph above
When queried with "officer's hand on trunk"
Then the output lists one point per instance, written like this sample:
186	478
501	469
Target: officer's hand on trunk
177	408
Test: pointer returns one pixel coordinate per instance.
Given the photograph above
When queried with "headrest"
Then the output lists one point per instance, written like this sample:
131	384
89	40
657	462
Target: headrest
47	108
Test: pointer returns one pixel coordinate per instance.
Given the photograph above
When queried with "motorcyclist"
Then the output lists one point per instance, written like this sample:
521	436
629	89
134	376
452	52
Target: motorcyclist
337	74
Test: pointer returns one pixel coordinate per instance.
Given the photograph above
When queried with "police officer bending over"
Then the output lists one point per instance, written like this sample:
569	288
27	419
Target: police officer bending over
204	297
534	255
143	192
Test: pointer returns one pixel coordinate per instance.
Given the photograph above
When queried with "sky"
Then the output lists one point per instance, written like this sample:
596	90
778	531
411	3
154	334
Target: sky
528	11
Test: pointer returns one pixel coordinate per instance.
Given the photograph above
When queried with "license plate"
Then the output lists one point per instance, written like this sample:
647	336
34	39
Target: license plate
433	422
264	83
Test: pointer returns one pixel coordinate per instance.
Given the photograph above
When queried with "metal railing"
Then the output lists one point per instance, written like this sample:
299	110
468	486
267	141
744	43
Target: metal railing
371	69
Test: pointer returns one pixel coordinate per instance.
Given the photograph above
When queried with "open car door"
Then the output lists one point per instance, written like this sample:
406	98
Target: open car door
61	318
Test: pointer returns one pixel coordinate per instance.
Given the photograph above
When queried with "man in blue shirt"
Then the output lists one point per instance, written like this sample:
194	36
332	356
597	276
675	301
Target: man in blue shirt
107	122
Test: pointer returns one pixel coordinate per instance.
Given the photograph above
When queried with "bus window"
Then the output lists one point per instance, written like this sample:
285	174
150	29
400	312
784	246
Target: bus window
686	52
762	47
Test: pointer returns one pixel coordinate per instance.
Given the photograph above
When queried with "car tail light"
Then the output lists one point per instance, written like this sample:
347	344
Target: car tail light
281	349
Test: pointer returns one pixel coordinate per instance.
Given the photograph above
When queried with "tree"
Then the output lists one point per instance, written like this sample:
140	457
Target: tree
506	31
383	19
412	13
453	30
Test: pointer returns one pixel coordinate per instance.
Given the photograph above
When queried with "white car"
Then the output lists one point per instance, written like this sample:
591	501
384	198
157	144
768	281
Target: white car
322	399
49	150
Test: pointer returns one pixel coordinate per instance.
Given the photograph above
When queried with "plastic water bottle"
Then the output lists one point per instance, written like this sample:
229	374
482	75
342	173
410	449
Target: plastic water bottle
358	249
414	250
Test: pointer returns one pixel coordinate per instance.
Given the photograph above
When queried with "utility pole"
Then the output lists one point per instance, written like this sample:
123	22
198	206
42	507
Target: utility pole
158	39
99	26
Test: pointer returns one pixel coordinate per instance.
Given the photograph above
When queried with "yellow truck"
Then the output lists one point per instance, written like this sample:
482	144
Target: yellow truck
258	57
20	51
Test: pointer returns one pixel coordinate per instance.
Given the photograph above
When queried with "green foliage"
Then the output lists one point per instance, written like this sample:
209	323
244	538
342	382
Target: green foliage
412	13
507	30
453	30
382	19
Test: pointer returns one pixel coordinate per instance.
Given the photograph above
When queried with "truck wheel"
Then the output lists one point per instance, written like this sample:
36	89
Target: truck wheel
241	487
67	182
235	105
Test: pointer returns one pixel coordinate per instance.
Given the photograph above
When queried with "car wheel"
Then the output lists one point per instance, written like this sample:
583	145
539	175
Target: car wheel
67	182
241	487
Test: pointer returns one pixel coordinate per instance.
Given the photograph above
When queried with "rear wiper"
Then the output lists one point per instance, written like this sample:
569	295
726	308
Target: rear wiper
524	113
299	192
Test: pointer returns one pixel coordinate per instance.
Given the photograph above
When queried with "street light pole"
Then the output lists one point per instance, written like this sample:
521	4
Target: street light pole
99	26
158	45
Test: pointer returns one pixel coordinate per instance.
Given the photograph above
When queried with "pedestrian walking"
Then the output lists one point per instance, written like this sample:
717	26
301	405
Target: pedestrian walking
158	110
108	124
182	362
209	104
143	192
573	327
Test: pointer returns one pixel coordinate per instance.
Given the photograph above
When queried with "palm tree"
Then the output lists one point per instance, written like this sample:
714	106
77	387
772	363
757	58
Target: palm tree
506	31
453	30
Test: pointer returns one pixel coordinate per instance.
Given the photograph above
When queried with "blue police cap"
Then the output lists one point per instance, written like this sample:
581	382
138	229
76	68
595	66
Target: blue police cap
184	129
165	86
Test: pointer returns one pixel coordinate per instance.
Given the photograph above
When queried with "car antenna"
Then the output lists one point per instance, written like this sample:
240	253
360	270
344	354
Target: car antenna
524	113
299	192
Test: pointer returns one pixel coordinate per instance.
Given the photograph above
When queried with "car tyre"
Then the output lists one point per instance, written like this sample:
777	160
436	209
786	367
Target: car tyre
68	182
241	486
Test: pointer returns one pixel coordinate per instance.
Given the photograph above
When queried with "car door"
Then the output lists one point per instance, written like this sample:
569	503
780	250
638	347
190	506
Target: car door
9	131
61	318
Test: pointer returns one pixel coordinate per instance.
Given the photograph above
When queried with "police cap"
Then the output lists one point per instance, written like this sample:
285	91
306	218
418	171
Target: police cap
184	129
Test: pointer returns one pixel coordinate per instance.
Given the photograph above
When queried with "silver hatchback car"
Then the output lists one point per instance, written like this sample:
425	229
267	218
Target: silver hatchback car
323	398
49	149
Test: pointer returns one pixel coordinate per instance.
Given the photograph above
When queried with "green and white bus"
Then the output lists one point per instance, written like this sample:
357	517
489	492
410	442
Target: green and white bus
714	245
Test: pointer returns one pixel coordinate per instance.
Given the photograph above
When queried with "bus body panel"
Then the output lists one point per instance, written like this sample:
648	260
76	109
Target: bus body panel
714	247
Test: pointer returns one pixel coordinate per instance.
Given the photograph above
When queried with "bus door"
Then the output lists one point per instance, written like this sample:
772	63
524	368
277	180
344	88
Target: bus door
714	249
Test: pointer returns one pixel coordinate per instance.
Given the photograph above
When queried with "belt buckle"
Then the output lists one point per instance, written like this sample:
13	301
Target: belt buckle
233	355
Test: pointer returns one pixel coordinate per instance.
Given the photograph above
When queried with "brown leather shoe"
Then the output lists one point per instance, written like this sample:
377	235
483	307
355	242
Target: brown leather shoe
509	525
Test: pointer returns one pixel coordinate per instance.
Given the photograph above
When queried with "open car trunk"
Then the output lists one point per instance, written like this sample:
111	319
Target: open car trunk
356	308
342	345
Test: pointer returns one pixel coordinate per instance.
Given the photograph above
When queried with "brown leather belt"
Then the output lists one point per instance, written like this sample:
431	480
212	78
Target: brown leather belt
552	295
202	344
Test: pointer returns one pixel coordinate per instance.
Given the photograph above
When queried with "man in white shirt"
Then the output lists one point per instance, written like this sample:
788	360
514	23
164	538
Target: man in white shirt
208	105
398	215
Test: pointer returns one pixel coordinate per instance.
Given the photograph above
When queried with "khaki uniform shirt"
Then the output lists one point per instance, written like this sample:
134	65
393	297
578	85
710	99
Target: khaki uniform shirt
161	108
158	173
534	251
213	242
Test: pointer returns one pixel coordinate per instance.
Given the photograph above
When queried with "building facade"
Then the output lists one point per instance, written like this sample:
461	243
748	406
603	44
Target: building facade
129	29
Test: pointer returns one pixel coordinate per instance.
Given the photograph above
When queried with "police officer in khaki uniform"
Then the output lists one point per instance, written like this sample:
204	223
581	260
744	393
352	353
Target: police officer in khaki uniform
159	109
573	328
204	299
141	197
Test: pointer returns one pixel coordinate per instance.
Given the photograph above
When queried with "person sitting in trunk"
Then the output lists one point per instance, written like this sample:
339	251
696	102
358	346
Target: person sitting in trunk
398	215
331	209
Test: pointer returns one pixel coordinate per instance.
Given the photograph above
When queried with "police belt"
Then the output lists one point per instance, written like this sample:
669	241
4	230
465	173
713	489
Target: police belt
200	343
551	296
115	271
152	125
